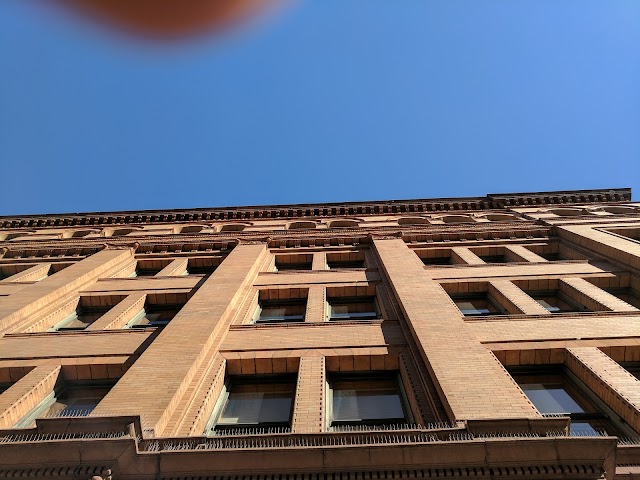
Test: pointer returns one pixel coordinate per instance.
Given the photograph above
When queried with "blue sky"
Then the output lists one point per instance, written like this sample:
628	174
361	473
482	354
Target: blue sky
320	100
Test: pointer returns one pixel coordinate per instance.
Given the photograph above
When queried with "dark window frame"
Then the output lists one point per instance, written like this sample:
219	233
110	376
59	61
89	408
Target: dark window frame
485	296
595	409
263	304
214	427
577	307
354	317
392	375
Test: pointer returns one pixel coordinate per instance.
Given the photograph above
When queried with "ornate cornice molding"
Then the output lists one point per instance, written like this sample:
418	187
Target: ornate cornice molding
225	241
489	202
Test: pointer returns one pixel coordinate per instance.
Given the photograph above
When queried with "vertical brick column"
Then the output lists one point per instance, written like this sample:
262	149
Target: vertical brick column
119	315
319	261
316	304
473	383
593	297
514	299
465	256
176	268
523	254
155	384
30	302
613	384
27	393
309	405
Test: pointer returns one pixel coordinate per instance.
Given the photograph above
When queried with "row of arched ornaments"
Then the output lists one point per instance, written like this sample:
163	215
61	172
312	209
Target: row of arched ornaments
437	219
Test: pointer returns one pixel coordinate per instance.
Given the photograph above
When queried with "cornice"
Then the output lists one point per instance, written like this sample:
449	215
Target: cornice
224	241
296	211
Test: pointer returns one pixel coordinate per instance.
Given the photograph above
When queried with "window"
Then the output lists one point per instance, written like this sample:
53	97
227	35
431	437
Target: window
261	402
70	401
358	308
633	368
347	264
281	311
199	270
629	295
154	316
552	257
202	265
557	302
478	305
353	259
80	319
438	261
293	262
145	272
494	258
368	399
557	392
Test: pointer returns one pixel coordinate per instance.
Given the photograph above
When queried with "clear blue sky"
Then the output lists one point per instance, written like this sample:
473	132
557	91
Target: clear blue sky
322	100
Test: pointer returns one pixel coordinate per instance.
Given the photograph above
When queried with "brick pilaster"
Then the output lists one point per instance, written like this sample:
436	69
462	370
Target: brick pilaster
38	299
176	268
120	314
514	299
27	393
319	261
160	377
465	256
592	297
522	254
473	383
613	384
309	405
316	304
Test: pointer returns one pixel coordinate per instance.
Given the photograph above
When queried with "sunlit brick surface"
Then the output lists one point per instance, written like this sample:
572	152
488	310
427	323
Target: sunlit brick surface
157	311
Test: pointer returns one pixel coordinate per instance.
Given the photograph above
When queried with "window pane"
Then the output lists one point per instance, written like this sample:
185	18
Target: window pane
494	258
154	316
437	261
81	319
349	264
555	304
258	404
357	310
551	398
367	400
77	401
282	313
476	306
281	267
590	428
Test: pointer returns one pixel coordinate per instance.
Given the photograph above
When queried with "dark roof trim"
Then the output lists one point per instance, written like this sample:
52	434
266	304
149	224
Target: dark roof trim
490	202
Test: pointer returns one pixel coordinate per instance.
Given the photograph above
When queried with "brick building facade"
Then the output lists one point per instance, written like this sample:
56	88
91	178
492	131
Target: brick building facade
491	337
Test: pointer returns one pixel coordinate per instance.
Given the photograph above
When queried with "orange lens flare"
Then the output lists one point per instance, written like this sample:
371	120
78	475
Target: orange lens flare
168	18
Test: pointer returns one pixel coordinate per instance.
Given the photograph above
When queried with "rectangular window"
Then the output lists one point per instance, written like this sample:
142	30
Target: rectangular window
286	263
346	260
434	261
158	315
261	402
557	392
494	258
70	401
346	264
358	308
80	319
557	302
369	399
629	295
281	311
478	305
